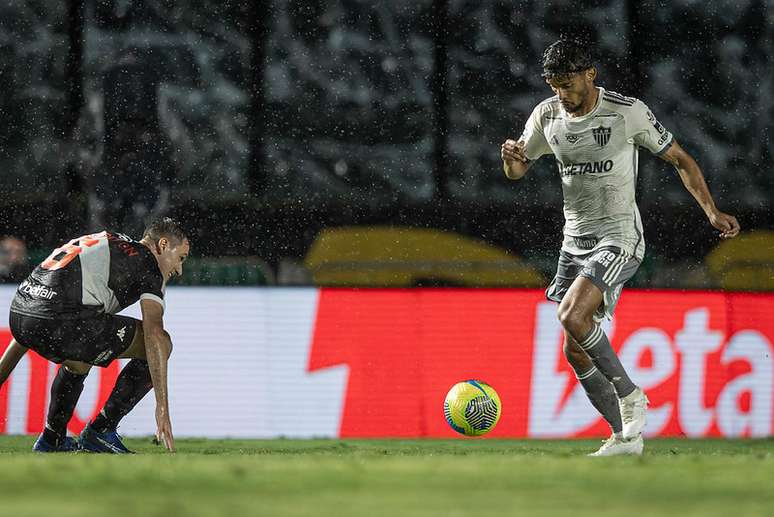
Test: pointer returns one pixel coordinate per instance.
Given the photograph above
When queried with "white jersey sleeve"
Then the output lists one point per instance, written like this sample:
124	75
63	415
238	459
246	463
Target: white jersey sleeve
533	138
644	130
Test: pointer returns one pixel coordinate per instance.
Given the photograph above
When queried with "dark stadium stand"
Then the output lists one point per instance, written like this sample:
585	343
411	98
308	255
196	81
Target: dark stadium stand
348	121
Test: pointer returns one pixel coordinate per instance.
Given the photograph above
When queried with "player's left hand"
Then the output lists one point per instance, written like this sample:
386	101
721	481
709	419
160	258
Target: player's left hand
164	428
727	224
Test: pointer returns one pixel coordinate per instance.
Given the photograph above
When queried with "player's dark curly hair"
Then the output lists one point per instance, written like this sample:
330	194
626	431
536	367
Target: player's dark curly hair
167	227
566	56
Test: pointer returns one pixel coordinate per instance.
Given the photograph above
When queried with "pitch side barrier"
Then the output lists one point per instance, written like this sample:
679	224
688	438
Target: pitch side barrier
268	362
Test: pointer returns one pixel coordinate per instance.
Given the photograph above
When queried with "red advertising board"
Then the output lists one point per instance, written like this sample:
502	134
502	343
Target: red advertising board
378	363
704	358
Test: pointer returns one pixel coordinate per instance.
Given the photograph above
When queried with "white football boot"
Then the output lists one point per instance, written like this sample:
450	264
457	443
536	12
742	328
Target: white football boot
633	408
617	446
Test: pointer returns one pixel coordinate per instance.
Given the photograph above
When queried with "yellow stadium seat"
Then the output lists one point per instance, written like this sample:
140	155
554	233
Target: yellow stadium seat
403	257
745	262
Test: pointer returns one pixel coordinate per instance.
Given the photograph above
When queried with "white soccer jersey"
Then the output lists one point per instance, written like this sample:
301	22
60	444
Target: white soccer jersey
597	159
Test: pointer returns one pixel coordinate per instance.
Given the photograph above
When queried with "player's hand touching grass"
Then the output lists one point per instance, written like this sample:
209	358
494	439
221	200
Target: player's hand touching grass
164	429
727	224
158	347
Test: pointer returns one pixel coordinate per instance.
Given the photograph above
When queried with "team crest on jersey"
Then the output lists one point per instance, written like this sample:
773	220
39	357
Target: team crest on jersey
601	135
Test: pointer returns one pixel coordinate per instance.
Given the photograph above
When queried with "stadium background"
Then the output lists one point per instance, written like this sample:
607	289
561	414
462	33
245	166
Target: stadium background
350	144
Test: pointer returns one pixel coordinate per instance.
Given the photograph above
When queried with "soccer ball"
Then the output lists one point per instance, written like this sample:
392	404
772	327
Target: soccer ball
472	408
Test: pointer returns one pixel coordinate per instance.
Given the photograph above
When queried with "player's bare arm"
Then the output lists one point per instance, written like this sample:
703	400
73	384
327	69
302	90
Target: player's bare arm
158	347
693	179
515	163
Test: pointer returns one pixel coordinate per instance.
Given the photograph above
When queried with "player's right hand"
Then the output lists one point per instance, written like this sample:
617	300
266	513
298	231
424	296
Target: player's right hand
513	151
164	429
727	224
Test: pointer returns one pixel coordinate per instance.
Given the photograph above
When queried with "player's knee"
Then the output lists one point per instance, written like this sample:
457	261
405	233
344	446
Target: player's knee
570	318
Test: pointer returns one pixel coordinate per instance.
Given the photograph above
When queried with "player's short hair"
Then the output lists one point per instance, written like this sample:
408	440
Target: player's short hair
567	56
167	227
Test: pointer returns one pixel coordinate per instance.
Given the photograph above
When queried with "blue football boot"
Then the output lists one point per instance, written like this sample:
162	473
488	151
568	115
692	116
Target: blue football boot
109	442
68	444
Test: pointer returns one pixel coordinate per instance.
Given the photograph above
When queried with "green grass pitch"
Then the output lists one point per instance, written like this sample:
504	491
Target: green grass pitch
367	478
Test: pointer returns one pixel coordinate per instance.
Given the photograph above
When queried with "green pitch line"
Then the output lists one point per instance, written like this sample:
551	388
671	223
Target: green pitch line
367	478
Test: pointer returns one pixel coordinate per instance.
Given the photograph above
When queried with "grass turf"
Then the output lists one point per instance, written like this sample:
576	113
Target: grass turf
368	478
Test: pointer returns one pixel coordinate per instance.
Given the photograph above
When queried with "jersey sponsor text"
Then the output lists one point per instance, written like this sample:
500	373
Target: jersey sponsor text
37	290
573	169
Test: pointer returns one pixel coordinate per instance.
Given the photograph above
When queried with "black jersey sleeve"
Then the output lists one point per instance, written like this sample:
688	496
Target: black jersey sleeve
134	272
151	285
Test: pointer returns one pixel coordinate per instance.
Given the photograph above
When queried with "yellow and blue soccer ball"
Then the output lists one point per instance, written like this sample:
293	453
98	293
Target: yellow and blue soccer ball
472	408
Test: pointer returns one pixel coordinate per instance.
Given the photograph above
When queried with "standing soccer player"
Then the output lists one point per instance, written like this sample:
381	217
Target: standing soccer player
595	135
66	312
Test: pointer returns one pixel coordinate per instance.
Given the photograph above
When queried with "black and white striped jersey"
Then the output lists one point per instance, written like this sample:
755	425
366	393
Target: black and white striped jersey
100	273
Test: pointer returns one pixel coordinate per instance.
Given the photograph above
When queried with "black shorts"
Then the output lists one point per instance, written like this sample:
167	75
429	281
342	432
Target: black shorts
98	340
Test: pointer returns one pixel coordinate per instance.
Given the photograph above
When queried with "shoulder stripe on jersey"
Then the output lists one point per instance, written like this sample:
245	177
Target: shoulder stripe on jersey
619	97
622	97
614	94
614	101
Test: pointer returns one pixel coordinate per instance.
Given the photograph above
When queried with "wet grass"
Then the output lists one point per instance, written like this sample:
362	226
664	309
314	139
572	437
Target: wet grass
390	477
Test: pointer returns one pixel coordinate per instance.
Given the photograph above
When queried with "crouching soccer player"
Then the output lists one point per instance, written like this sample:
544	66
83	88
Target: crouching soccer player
595	134
66	312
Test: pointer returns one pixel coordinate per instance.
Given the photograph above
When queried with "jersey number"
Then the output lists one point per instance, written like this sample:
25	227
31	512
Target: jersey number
70	250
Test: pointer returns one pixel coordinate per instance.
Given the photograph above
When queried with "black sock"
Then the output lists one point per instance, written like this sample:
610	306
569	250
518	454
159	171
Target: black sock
133	383
65	391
